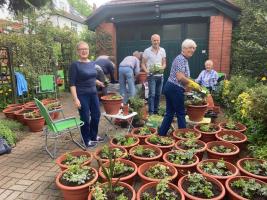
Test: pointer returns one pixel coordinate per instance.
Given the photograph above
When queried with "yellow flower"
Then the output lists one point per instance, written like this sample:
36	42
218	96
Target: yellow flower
233	101
263	78
9	90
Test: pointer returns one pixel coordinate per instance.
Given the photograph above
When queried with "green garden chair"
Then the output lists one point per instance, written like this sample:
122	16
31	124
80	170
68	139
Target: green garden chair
55	129
46	84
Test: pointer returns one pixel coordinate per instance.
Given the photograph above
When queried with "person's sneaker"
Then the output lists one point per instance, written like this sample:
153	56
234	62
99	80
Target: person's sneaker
91	144
99	139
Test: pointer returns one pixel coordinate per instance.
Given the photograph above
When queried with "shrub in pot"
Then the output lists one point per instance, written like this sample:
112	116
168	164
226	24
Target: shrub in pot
234	137
75	181
102	154
34	121
160	190
253	167
112	103
198	187
186	133
233	126
246	188
126	141
74	158
207	131
144	153
218	169
143	132
162	142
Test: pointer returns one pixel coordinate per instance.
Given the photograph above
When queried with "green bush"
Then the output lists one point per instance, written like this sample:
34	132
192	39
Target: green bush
12	125
7	134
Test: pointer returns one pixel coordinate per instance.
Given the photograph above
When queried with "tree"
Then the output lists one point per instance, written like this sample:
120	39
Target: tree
81	6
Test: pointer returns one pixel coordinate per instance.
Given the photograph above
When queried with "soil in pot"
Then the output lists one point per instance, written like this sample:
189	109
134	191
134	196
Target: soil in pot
233	137
207	131
185	133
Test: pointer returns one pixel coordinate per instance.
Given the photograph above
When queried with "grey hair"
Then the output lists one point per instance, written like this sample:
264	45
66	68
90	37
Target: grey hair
80	43
188	43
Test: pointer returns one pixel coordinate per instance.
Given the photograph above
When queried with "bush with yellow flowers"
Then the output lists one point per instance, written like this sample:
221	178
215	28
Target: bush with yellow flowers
5	95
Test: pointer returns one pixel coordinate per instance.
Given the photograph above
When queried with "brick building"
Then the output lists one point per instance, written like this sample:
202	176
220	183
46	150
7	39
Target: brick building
132	22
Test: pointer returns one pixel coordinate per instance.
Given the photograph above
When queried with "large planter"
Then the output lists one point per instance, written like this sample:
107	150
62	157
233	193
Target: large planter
244	172
222	179
20	115
103	160
138	160
126	179
144	167
230	157
150	186
182	133
238	138
142	138
30	105
76	192
232	194
207	136
63	157
196	113
10	111
125	185
142	77
164	148
181	186
199	152
111	106
241	127
113	143
35	124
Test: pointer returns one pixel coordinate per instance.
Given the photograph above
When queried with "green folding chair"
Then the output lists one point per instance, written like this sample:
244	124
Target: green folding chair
55	129
46	84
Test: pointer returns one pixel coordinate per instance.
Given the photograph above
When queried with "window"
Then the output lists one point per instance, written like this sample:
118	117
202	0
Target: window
171	32
199	30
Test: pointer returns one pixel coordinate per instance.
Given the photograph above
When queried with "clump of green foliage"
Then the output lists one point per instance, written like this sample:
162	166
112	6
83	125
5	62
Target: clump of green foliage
256	167
207	128
221	149
216	168
144	152
158	171
124	140
7	134
75	160
106	151
160	140
181	157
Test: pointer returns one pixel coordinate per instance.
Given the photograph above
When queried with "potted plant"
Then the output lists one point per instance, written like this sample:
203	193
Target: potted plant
55	108
197	146
155	171
124	170
253	167
198	187
207	131
222	150
112	103
126	141
102	154
142	77
186	133
20	114
75	181
30	105
144	153
161	190
74	158
233	126
143	132
234	137
183	161
34	121
245	188
162	142
218	169
138	105
10	111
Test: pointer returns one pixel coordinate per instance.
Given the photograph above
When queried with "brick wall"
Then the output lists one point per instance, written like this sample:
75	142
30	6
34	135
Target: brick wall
220	38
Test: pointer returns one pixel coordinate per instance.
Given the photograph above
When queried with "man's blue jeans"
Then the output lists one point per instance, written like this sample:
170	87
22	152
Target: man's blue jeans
174	105
126	74
154	92
90	115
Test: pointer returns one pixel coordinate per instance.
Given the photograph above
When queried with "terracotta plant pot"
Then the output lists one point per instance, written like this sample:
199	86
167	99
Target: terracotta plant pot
207	136
190	197
10	111
111	106
230	157
62	157
184	131
144	167
232	194
14	105
182	169
35	124
142	137
151	185
164	149
76	192
142	77
240	143
30	105
196	113
103	160
222	179
138	160
241	127
126	179
125	185
244	172
199	152
112	143
20	115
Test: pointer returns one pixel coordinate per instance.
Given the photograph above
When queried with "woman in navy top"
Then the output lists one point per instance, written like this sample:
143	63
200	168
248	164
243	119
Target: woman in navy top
175	87
82	78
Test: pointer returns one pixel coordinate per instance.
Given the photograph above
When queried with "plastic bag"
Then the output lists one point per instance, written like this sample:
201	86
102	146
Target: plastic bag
4	147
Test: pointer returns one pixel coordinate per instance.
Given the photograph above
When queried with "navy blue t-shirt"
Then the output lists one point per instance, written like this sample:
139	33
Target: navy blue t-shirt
83	76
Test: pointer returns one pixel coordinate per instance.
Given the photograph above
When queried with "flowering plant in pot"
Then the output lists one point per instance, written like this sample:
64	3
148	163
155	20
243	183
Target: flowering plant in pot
253	167
75	181
198	187
144	153
207	131
34	121
74	158
143	132
161	190
233	126
183	161
102	154
222	150
245	188
218	169
234	137
162	142
126	141
186	133
112	103
197	146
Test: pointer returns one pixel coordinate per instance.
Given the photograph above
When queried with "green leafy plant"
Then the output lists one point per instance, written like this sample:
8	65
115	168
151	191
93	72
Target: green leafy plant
136	104
256	167
196	99
221	149
158	171
190	144
216	168
144	152
32	115
74	160
181	158
186	135
124	140
160	140
53	106
207	128
156	69
231	125
114	97
229	137
120	169
144	131
7	134
12	125
115	152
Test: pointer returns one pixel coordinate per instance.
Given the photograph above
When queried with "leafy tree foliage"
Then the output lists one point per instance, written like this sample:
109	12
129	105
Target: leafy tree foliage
81	6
